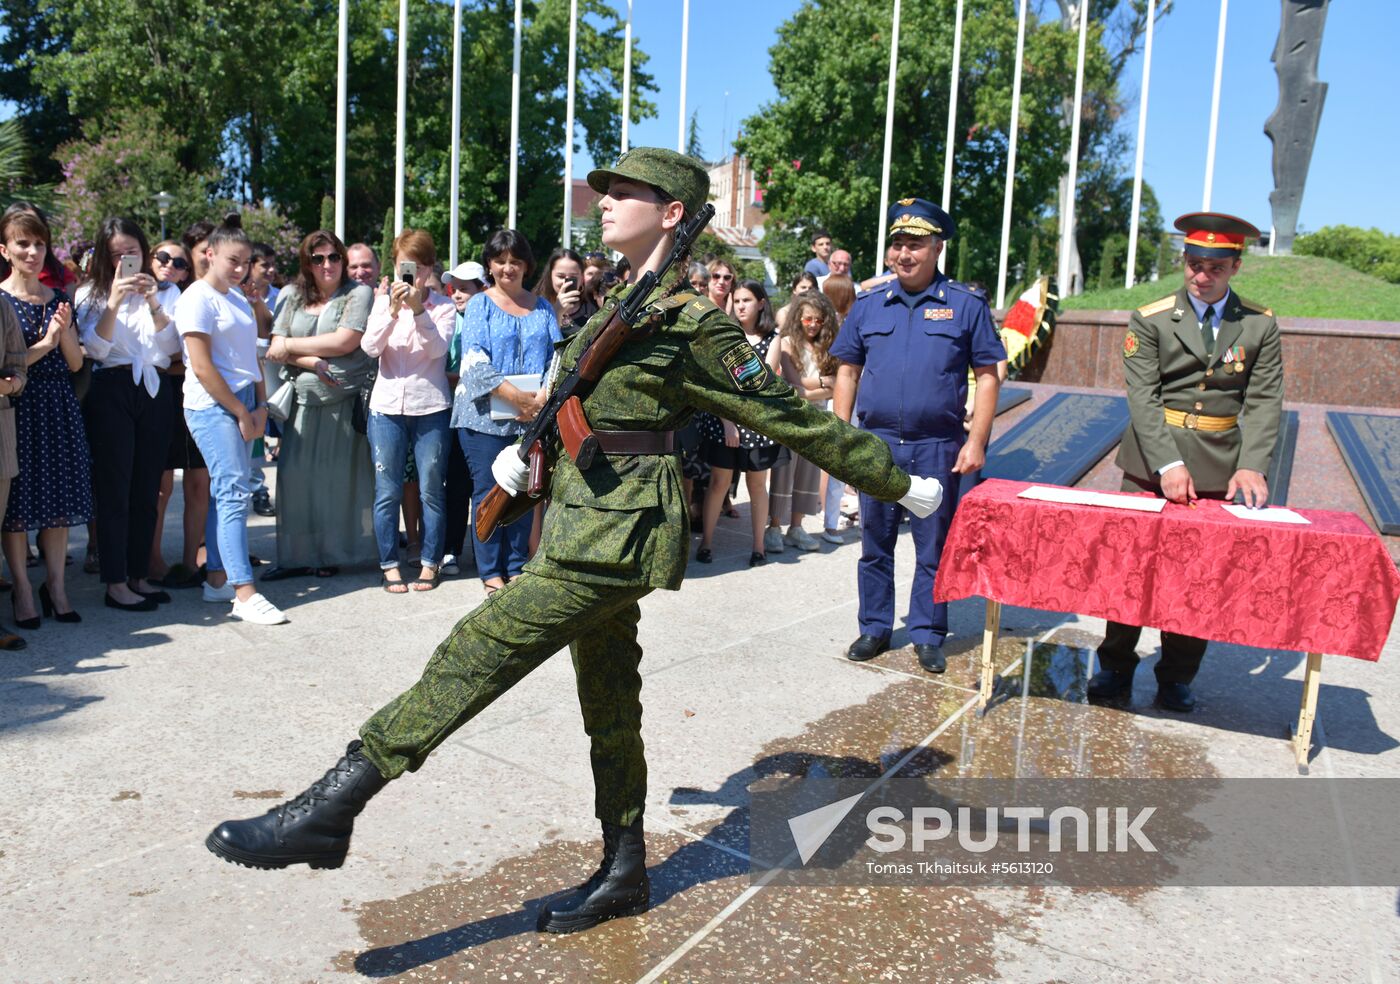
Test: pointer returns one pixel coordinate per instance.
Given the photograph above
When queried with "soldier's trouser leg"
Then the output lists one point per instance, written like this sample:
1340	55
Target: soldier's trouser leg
1118	651
928	622
606	661
1181	658
487	653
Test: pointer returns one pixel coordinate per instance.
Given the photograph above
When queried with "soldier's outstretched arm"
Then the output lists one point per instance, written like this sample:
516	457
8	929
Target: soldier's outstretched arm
723	374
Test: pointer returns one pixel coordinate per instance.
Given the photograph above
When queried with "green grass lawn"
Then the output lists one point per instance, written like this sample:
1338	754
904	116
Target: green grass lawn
1294	286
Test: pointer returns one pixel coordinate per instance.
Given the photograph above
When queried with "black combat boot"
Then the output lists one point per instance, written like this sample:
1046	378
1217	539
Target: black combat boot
313	829
619	887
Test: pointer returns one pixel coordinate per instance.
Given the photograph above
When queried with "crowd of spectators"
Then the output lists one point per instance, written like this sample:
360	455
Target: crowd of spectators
384	393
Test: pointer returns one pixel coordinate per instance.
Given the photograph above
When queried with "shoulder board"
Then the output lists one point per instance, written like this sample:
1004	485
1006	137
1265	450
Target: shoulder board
697	306
1157	307
1254	307
967	289
674	301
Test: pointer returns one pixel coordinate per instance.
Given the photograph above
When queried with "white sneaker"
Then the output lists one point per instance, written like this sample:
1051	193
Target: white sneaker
801	539
258	610
449	565
773	540
831	536
215	595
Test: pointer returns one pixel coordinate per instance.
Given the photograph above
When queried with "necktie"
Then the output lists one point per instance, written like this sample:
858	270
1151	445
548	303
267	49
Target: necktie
1208	330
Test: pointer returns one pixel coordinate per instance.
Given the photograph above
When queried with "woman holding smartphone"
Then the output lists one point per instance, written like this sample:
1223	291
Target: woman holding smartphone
53	489
226	409
409	331
126	321
561	286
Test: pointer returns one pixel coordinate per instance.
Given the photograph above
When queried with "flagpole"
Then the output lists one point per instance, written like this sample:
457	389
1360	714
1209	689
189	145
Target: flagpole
569	127
1066	274
627	77
1215	106
889	138
1011	157
402	108
453	178
342	99
1130	275
514	124
952	123
685	53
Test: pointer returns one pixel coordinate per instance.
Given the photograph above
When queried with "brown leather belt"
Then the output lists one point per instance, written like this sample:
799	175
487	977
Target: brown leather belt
636	442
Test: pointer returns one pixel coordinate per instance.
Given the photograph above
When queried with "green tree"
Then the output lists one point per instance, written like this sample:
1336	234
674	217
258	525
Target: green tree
692	138
327	213
32	31
830	64
16	172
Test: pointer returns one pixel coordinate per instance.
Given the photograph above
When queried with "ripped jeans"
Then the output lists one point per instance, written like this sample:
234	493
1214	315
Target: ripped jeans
390	436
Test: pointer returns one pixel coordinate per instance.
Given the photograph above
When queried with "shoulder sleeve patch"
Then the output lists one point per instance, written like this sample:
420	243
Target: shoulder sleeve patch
1157	307
1130	344
744	367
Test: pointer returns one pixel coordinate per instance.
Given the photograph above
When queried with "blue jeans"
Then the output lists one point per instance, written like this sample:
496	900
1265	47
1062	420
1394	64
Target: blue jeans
505	553
215	432
390	436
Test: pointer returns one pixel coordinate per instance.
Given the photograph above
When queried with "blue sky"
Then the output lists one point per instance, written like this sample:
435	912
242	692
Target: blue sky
1356	147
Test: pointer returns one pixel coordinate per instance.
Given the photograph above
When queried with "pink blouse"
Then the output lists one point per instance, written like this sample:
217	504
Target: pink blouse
412	354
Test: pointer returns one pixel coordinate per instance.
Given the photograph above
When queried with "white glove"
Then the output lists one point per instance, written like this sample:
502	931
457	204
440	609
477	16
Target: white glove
509	471
924	497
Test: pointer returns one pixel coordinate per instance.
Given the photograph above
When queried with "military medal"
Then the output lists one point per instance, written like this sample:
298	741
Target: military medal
1238	366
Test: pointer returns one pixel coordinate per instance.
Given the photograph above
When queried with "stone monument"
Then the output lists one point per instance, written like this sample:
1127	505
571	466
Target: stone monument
1293	125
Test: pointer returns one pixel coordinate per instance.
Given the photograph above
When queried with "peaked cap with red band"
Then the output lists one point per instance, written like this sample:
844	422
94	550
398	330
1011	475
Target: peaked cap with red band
1214	235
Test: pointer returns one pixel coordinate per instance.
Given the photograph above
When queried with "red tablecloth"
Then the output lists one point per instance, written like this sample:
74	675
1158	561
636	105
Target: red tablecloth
1328	587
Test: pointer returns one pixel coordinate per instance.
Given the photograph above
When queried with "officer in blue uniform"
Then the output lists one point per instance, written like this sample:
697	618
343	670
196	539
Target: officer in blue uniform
905	350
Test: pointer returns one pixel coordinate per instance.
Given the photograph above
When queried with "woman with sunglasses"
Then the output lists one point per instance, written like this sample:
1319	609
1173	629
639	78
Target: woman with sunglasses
721	284
325	485
127	325
170	263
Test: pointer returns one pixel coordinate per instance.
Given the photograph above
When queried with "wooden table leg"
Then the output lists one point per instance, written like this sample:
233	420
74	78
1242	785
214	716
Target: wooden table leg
989	645
1307	712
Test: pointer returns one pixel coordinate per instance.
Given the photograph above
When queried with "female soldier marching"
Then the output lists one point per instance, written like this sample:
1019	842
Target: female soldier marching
614	531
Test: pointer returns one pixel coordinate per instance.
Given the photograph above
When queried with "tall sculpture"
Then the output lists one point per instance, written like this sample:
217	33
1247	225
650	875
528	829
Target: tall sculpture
1293	125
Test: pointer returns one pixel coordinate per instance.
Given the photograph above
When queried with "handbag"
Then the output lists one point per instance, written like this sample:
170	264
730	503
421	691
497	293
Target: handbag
281	402
359	409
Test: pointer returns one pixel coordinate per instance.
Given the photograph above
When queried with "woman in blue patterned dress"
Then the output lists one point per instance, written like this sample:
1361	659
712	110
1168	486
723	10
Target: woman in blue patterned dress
53	490
505	331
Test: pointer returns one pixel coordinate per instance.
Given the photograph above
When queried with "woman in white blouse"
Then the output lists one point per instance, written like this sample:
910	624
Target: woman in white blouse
126	323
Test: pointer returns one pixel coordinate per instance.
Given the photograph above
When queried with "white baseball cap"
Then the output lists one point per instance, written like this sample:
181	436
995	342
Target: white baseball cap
470	270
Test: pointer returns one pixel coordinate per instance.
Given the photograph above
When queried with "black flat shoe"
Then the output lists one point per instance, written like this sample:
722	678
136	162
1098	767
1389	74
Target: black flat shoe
1175	697
867	647
144	605
757	559
159	597
1111	687
46	603
704	555
931	657
276	573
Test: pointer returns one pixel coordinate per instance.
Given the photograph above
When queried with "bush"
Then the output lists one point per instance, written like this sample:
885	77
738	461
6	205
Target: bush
1368	250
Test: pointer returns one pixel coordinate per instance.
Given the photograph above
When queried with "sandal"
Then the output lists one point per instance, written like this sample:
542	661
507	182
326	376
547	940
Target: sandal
704	555
393	587
421	583
491	588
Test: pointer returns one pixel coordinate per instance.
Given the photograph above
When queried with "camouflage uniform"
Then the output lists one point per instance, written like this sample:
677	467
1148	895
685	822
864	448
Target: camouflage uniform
612	533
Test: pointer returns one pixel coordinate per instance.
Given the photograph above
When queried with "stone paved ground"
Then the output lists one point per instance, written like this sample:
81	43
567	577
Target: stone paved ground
125	739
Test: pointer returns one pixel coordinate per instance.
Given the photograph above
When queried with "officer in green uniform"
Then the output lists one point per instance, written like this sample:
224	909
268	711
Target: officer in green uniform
613	533
1205	390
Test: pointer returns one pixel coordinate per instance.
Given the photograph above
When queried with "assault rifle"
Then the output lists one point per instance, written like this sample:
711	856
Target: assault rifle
564	410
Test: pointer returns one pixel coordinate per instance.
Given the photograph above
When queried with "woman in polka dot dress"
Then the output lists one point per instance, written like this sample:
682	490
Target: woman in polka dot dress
53	490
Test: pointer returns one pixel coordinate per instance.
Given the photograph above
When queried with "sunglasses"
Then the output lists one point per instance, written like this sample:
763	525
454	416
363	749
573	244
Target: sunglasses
595	255
808	322
178	262
319	259
721	277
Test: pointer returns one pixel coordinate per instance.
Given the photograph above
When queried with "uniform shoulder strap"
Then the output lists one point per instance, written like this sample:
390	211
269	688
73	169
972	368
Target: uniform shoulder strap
674	301
1254	307
1157	307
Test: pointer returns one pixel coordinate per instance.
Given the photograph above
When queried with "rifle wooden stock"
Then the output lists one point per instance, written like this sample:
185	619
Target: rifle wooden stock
500	507
574	432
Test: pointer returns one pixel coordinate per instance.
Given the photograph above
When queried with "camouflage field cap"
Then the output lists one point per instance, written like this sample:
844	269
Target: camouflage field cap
683	178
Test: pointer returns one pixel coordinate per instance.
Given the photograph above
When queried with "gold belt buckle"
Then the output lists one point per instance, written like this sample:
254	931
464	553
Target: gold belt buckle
1192	421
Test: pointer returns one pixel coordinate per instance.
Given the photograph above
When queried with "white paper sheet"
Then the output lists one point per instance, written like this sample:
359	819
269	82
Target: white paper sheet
1088	497
501	409
1269	514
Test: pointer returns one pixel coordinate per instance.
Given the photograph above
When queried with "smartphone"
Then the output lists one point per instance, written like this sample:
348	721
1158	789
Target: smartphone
408	271
128	266
571	283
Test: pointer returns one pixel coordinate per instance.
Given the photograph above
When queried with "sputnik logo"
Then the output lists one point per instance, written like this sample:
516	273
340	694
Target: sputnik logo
810	830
